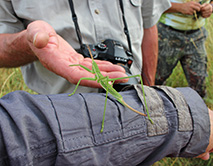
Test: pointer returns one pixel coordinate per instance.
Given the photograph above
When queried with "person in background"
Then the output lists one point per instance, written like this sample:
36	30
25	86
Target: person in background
182	37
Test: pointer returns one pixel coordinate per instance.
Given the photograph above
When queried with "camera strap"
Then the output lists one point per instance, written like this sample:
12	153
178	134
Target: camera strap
75	20
126	31
78	32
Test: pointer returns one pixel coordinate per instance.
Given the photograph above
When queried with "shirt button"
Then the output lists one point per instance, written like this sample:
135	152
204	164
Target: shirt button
97	11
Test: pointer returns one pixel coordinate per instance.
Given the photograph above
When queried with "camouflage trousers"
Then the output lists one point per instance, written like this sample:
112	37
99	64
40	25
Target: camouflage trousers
186	48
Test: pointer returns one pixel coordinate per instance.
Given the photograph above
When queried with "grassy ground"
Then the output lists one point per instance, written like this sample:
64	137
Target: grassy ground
11	80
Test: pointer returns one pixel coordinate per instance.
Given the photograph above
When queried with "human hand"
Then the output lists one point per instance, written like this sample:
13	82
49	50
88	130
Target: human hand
206	155
56	55
189	8
206	10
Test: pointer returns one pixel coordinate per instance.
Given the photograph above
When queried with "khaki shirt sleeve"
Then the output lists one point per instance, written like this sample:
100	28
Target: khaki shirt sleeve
152	10
9	23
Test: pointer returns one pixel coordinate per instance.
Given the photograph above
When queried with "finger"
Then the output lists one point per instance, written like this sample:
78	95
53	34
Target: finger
104	66
98	61
111	68
40	39
95	84
116	74
204	5
196	6
77	72
206	8
88	62
204	156
196	9
39	33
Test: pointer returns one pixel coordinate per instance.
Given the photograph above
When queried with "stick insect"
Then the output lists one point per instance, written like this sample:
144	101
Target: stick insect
104	82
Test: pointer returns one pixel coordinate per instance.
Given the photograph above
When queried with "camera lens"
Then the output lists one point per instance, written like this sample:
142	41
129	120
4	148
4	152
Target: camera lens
102	46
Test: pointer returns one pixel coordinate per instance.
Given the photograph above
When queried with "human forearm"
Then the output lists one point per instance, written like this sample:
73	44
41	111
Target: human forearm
175	8
14	50
66	130
187	8
150	55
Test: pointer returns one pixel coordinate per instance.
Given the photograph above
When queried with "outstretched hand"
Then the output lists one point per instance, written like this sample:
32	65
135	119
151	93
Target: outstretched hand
56	55
206	155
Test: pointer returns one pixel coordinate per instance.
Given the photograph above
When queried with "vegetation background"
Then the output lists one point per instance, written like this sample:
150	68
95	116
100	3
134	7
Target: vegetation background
11	80
177	79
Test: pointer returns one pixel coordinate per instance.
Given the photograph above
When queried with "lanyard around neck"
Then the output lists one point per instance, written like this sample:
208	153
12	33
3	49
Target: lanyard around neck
78	32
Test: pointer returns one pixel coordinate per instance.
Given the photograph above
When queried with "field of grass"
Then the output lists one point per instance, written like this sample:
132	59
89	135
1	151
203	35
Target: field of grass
11	80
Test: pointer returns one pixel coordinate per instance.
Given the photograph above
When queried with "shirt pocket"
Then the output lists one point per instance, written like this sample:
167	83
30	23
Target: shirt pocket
133	16
136	3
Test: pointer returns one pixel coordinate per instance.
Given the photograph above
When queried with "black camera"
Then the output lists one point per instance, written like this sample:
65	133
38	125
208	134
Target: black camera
112	51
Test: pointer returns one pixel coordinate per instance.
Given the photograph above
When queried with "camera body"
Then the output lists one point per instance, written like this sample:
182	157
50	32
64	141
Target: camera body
109	50
114	52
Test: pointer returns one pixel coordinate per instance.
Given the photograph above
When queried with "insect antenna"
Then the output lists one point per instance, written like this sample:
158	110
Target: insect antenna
90	53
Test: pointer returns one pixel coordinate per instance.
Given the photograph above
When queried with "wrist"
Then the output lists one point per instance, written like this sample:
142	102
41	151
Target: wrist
21	45
16	50
176	8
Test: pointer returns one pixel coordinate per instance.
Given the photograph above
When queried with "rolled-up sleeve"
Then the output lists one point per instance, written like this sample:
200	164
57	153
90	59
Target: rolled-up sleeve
62	130
152	11
201	123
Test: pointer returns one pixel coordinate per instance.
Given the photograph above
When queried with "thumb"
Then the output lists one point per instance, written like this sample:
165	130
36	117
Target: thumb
39	33
40	39
205	156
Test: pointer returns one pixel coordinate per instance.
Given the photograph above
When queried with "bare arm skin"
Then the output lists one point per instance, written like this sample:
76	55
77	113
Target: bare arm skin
184	8
150	55
14	50
189	8
206	155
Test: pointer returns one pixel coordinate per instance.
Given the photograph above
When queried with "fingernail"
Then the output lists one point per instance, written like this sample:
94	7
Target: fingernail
34	38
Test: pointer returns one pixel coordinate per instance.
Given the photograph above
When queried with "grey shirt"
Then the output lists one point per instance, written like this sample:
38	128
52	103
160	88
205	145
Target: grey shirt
44	130
98	20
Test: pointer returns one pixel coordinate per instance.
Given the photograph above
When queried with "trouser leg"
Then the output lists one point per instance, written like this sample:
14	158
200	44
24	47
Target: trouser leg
195	62
170	50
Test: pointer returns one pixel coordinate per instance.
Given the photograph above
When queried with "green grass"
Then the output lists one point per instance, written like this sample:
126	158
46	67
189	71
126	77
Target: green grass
11	80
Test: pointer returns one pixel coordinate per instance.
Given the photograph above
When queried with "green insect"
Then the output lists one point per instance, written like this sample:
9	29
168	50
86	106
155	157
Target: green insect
104	82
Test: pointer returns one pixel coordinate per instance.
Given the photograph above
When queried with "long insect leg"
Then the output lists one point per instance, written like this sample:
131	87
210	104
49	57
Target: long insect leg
113	79
145	99
87	69
102	125
84	78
